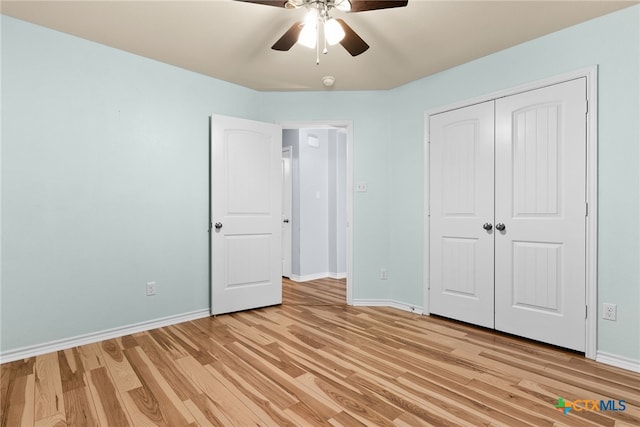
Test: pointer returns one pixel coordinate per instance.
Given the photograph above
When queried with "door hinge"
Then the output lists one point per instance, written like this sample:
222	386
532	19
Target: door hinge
586	209
210	226
586	311
586	106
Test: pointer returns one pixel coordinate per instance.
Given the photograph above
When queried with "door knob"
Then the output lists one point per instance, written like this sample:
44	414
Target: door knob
500	226
285	221
218	225
487	226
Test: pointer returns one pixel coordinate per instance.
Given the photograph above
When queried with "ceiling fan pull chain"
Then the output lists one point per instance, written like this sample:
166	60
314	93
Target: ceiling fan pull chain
318	42
325	15
325	50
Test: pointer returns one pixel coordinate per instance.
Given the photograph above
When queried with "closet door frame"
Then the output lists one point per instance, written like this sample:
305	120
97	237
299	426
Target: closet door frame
591	285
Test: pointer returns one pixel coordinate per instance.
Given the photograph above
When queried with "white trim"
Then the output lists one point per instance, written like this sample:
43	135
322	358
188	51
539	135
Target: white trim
316	276
388	303
591	285
365	302
93	337
526	87
347	127
287	152
618	361
426	284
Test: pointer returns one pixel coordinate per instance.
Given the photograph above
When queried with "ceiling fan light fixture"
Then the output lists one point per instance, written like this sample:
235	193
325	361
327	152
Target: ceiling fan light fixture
333	32
308	36
311	18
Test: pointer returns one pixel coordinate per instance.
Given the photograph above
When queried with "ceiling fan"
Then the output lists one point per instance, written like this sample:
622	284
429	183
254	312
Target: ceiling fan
308	32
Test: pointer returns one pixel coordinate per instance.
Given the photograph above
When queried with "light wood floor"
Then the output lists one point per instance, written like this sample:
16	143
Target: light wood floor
313	361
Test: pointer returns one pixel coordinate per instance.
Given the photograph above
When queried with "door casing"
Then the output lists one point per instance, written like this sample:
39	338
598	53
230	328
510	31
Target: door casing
591	285
286	211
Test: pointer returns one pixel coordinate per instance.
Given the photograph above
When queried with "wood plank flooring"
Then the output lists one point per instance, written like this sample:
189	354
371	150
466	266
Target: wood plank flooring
314	361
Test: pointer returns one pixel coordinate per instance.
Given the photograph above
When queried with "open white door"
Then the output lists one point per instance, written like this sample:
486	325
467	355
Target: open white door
246	187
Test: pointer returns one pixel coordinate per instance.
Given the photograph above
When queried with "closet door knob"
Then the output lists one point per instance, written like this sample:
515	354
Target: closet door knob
487	226
218	225
500	226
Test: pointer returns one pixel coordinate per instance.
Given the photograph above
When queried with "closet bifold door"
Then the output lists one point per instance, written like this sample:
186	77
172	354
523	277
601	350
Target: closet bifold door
461	153
540	206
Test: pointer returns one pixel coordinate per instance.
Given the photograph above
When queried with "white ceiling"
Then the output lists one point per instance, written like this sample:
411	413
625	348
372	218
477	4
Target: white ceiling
231	40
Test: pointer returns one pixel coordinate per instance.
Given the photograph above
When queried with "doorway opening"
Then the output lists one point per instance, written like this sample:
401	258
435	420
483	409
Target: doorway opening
317	216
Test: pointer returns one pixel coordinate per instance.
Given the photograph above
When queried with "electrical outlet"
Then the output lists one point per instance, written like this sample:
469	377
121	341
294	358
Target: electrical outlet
151	288
383	274
609	311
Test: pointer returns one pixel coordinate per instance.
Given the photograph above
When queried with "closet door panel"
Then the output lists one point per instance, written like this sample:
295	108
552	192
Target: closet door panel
461	201
540	199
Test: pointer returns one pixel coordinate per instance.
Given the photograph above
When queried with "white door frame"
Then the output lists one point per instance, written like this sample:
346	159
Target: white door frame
288	154
347	125
591	285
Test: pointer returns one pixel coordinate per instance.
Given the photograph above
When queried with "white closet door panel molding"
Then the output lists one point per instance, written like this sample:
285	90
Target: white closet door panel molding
540	199
461	187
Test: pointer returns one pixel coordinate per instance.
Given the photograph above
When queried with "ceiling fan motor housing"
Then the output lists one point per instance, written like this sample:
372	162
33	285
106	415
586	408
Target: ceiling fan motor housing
344	5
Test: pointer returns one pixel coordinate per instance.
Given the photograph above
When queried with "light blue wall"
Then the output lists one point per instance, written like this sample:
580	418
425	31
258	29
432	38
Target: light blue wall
104	185
104	175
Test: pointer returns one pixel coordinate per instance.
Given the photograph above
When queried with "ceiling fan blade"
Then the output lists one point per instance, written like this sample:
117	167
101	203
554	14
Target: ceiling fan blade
363	5
289	38
277	3
352	41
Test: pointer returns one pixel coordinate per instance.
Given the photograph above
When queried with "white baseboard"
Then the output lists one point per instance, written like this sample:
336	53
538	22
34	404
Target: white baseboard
316	276
370	302
388	303
63	344
618	361
406	307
